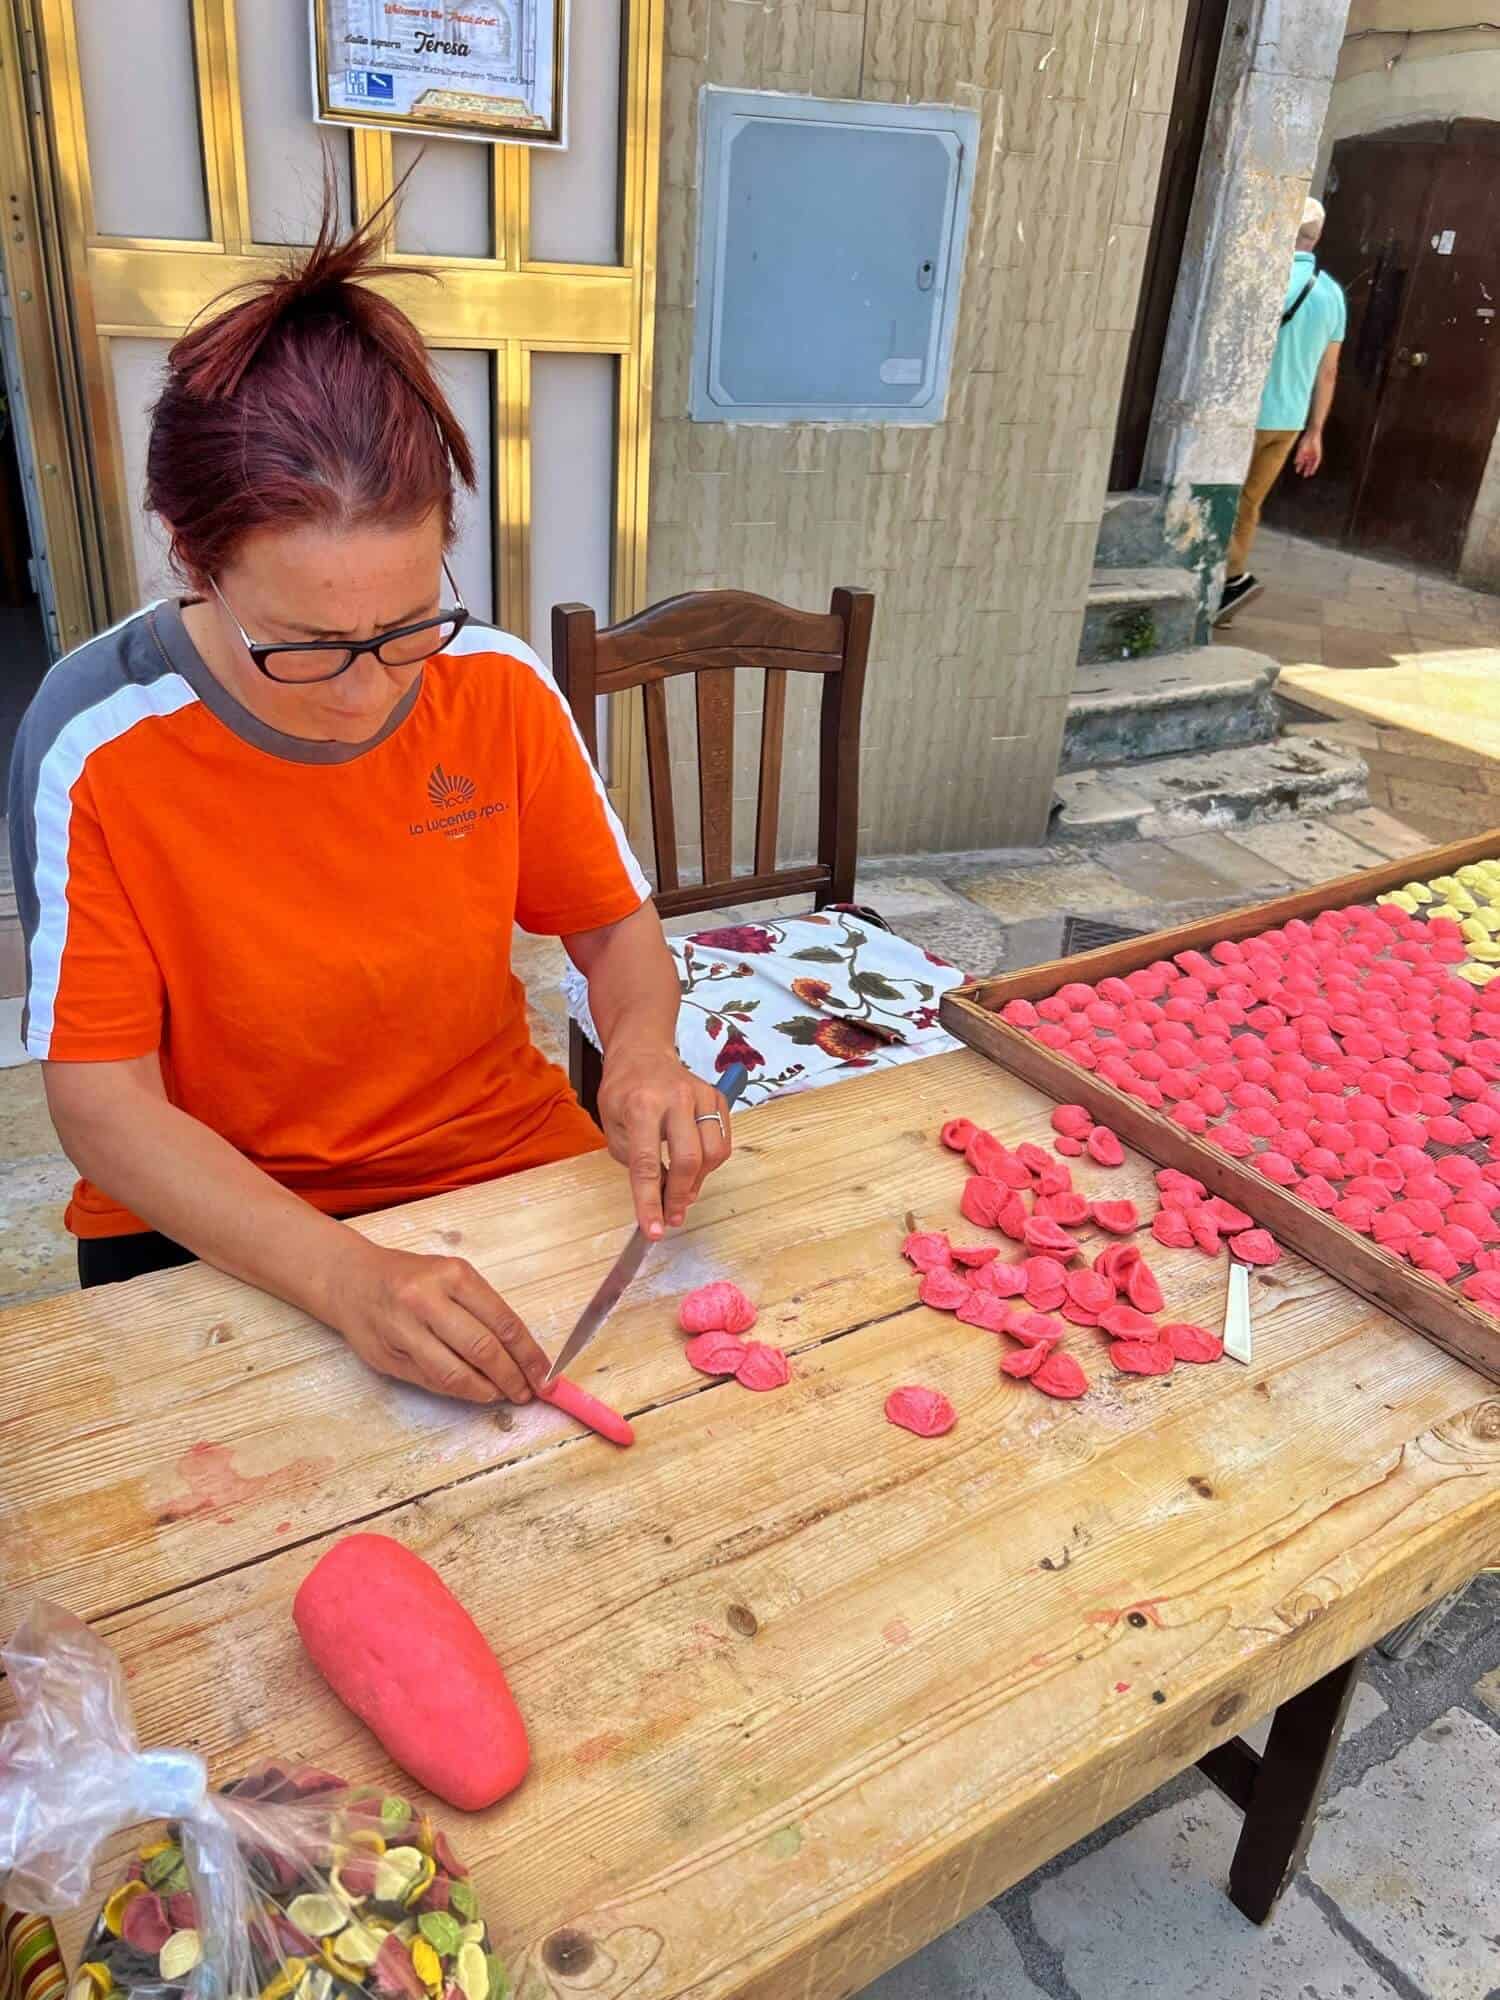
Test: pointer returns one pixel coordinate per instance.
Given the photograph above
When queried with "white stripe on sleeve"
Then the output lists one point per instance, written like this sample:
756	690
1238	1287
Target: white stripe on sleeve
57	774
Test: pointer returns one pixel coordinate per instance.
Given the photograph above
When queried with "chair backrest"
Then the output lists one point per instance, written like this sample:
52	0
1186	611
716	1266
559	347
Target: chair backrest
711	634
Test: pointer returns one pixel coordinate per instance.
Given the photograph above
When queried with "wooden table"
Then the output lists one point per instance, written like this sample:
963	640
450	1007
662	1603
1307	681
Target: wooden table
803	1690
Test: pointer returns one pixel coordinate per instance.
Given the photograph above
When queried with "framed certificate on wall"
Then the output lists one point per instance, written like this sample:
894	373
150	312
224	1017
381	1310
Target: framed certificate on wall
470	69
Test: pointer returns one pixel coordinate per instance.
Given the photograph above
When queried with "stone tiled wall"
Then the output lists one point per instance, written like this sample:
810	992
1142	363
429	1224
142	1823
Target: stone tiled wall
977	535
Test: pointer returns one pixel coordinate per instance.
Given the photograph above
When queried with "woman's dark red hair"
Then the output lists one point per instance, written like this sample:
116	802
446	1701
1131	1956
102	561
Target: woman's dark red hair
312	399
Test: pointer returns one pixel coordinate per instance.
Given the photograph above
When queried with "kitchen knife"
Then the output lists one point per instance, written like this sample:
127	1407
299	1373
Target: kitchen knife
630	1259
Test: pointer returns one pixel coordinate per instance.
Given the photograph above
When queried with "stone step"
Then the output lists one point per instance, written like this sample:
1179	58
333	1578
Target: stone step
1206	698
1209	790
1131	612
1131	530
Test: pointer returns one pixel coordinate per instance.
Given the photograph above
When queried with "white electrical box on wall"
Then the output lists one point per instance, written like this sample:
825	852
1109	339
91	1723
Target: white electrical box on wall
830	242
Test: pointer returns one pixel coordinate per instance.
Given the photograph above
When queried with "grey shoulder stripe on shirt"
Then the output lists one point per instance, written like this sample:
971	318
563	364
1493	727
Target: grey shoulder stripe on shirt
88	699
170	636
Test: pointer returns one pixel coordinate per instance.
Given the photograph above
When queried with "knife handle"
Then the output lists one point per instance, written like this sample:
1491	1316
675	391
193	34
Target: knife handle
732	1082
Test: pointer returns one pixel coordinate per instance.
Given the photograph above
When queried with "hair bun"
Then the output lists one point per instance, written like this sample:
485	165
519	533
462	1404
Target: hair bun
307	396
212	359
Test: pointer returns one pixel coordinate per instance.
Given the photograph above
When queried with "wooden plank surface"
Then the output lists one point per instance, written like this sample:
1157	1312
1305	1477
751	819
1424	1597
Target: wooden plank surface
111	1394
803	1690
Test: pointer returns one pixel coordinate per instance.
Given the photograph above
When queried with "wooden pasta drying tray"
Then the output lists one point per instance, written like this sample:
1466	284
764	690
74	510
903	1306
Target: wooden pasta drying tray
972	1012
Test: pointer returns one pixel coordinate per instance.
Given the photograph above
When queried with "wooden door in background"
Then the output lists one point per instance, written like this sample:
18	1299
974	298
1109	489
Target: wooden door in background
1413	235
1376	199
1441	402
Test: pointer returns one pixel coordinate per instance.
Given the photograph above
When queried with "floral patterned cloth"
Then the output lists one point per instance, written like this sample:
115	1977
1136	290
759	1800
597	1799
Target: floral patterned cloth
801	1002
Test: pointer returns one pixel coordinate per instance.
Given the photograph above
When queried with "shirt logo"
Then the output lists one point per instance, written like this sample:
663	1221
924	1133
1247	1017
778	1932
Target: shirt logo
454	796
446	791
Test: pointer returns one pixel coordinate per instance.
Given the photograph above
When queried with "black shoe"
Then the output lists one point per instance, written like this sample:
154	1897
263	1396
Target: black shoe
1238	590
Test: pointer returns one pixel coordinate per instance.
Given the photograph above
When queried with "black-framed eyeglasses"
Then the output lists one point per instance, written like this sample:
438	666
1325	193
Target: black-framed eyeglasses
312	660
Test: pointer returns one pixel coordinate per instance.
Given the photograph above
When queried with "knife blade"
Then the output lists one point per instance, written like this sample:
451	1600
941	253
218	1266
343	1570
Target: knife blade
617	1278
1237	1313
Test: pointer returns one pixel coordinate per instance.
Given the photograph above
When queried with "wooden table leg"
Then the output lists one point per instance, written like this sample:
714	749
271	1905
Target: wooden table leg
1278	1792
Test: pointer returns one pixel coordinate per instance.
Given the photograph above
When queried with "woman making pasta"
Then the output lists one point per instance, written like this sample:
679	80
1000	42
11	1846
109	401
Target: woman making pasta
270	841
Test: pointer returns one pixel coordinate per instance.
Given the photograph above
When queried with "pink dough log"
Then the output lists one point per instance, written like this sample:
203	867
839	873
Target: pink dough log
400	1651
587	1410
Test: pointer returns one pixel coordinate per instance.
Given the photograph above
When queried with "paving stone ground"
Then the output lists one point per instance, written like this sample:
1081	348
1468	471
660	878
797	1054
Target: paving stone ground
1411	1857
1391	665
1131	1921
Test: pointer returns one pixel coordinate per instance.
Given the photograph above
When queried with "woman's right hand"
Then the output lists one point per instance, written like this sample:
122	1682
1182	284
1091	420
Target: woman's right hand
430	1320
433	1321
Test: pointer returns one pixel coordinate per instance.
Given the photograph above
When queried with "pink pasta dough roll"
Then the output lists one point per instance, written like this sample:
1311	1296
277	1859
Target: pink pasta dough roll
401	1652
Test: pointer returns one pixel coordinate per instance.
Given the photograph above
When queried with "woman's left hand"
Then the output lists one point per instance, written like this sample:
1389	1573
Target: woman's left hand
648	1101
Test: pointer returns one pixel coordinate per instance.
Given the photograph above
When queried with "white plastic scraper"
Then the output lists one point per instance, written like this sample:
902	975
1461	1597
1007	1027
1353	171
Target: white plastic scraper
1237	1313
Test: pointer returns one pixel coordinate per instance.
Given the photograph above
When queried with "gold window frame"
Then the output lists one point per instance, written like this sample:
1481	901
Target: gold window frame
142	287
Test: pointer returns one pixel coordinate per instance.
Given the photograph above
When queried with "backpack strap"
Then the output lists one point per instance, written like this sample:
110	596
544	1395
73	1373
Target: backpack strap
1297	303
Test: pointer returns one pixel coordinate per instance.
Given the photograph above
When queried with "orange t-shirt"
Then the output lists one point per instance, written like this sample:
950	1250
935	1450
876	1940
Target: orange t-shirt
315	936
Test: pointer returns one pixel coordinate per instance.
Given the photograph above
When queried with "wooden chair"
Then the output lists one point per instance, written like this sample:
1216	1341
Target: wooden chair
711	634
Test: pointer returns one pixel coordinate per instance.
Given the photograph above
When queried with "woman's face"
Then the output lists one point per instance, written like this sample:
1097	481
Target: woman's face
327	584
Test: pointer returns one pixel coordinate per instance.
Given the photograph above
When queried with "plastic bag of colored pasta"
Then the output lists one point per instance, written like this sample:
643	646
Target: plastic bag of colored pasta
284	1885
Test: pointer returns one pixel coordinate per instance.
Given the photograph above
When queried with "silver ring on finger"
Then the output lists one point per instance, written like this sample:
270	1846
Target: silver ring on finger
709	1118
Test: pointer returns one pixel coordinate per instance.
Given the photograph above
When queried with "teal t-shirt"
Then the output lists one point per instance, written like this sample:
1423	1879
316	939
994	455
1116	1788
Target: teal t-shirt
1300	346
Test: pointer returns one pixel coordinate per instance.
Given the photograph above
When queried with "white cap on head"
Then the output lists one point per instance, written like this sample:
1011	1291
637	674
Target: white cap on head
1311	226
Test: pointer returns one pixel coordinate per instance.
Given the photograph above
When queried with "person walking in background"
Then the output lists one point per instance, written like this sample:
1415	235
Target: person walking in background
1297	399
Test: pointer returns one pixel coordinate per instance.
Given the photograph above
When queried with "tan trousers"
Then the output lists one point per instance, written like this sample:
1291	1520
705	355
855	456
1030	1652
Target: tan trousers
1272	449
